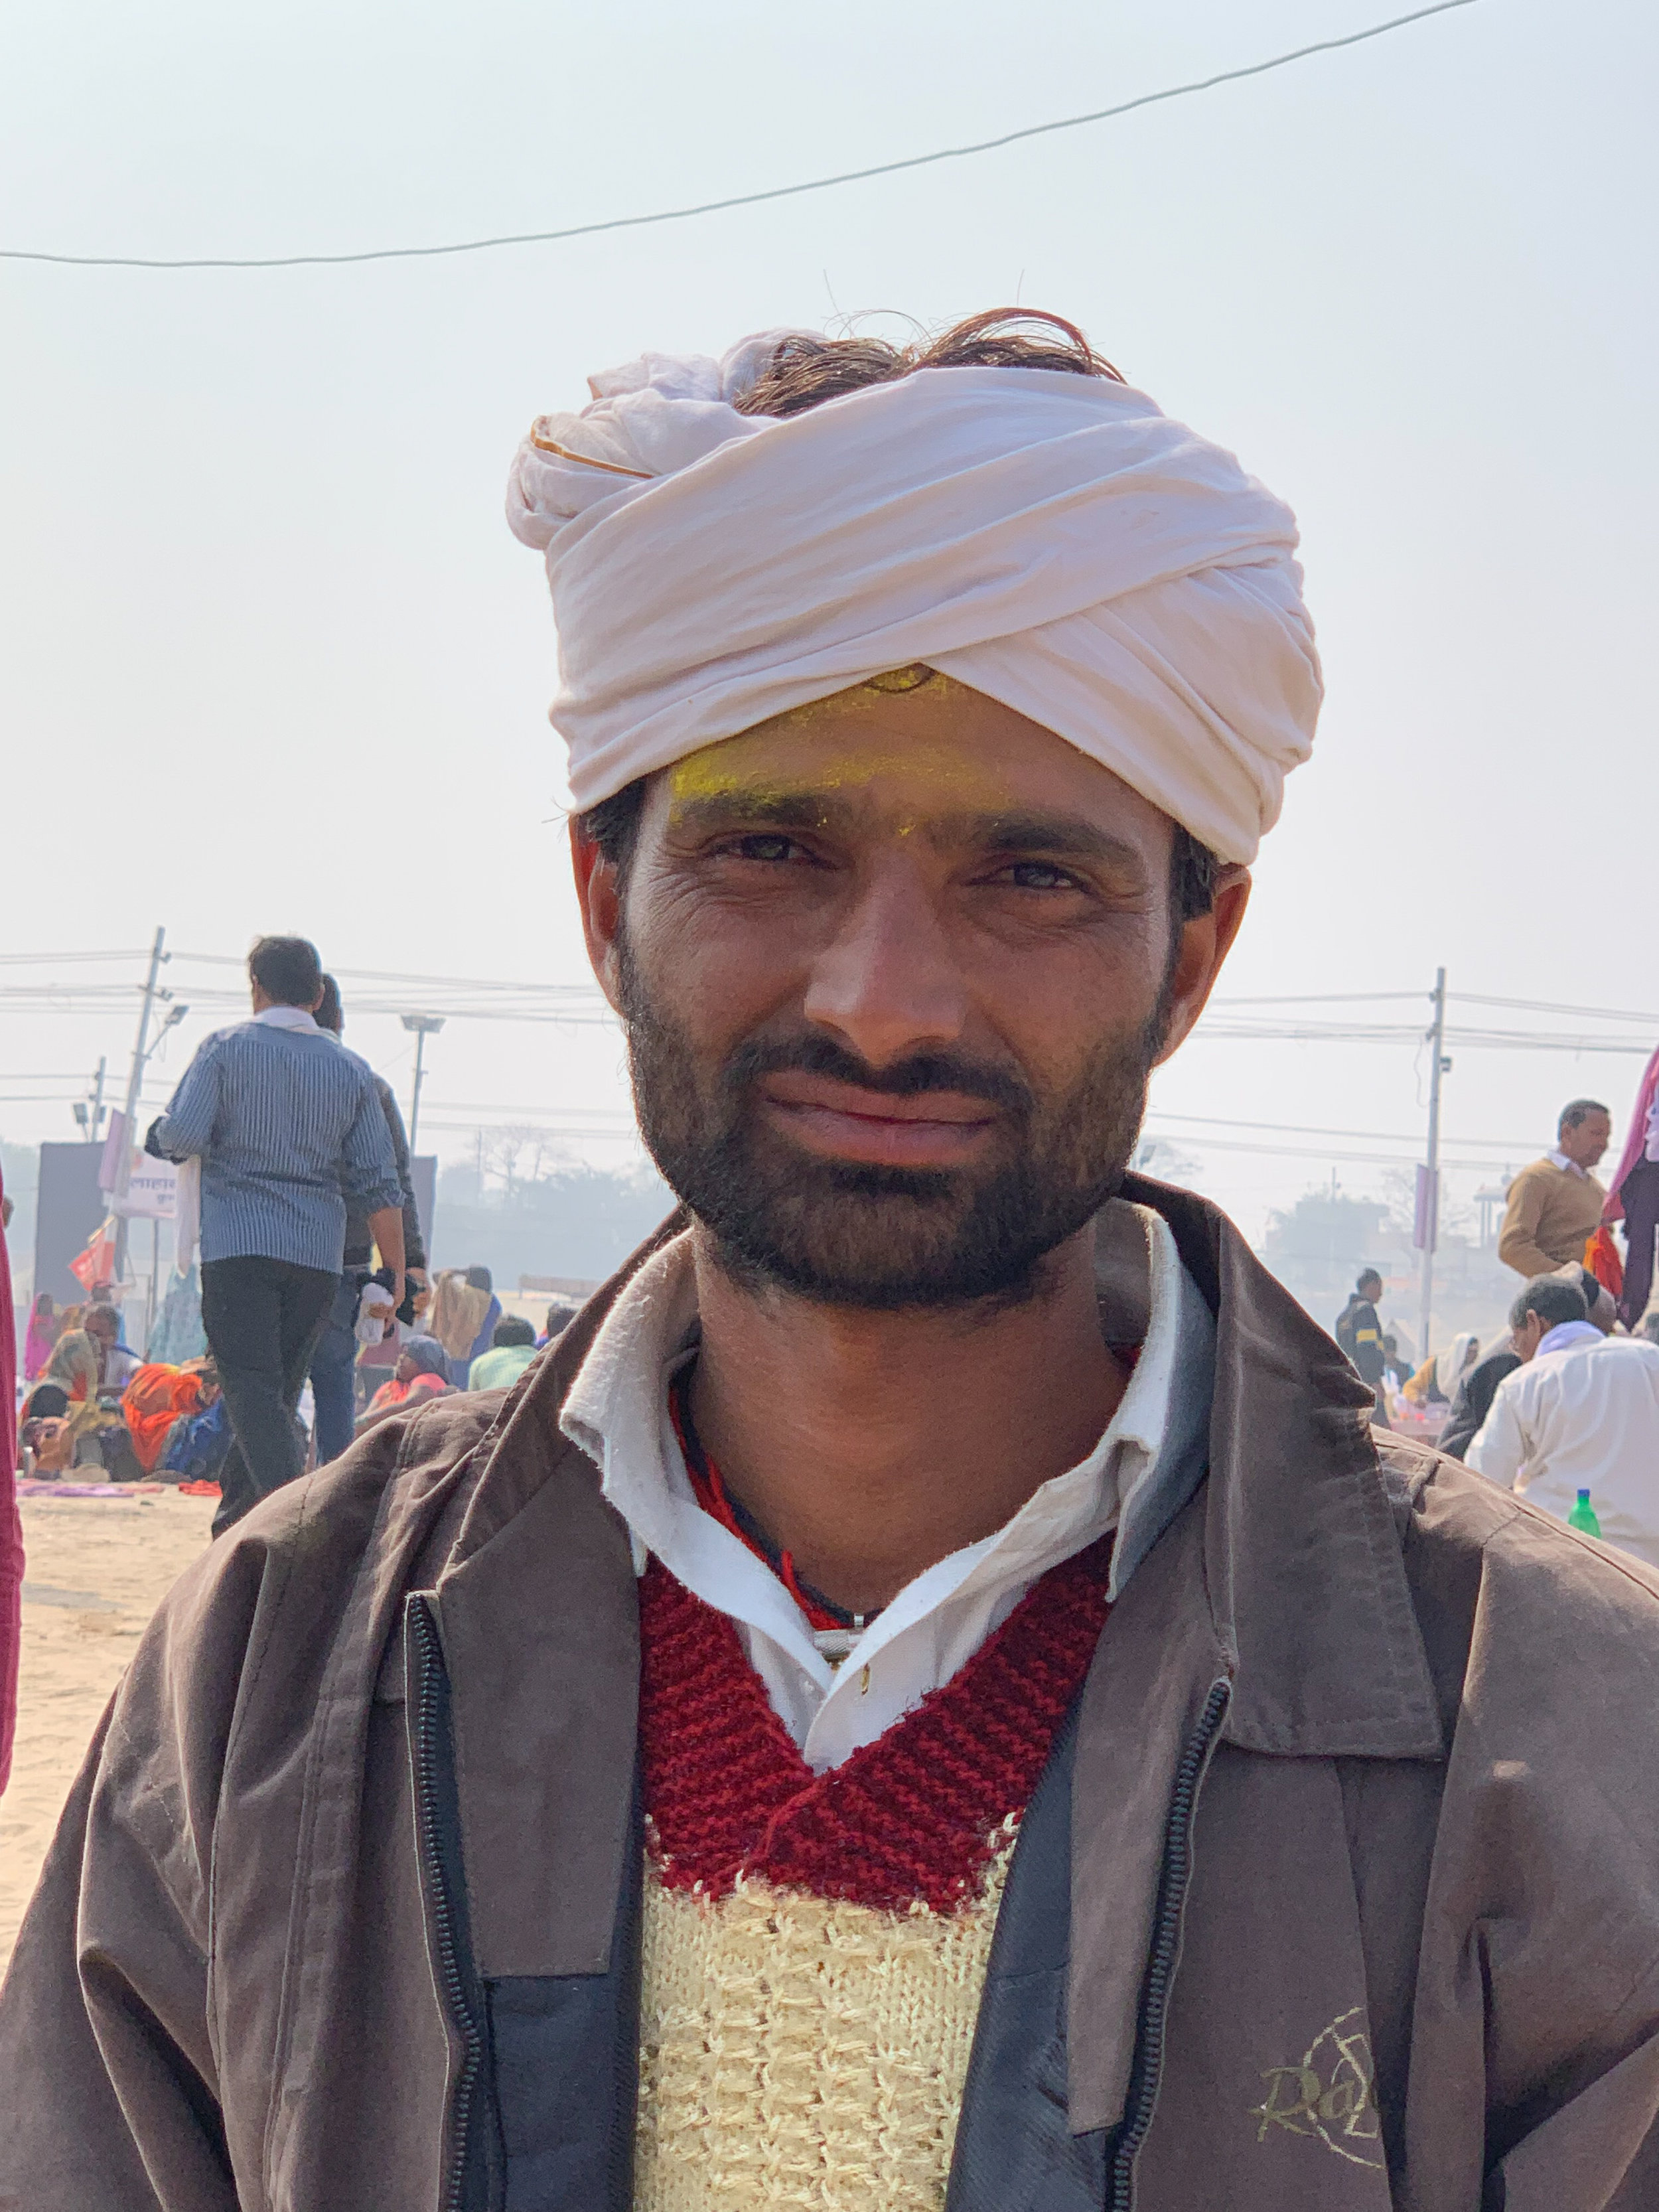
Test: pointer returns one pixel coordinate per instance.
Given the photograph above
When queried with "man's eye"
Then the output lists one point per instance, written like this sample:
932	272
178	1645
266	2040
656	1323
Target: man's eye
1037	876
765	845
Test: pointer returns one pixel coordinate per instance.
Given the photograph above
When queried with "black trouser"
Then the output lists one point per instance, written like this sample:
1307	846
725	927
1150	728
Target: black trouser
1640	1192
263	1318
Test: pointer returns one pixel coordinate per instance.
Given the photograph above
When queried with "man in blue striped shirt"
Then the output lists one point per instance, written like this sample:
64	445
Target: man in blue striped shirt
288	1127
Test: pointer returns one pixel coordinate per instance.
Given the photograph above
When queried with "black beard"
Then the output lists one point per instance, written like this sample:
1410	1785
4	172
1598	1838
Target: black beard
874	1237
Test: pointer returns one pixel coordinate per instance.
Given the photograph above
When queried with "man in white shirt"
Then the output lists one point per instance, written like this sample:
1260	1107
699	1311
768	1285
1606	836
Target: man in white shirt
1580	1413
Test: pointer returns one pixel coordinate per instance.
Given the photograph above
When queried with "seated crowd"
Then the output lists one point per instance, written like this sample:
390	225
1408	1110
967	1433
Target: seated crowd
95	1412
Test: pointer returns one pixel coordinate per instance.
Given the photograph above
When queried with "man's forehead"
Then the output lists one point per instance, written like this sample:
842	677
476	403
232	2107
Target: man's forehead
769	767
937	754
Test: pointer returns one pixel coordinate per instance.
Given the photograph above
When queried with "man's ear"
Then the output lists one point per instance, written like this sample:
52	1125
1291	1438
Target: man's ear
1206	941
598	892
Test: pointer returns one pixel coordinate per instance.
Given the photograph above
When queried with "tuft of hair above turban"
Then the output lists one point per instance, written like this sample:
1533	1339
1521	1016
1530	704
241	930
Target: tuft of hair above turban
1054	541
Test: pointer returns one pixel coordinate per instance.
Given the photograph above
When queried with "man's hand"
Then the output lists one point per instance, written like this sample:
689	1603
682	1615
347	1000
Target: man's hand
386	1226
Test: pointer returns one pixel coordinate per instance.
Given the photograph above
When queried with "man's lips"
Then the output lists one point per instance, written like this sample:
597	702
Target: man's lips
928	1129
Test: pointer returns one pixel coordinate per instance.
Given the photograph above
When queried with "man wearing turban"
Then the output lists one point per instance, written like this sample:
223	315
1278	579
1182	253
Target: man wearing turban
931	1696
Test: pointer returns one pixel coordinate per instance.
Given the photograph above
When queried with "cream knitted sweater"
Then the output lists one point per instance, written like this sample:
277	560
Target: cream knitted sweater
815	1946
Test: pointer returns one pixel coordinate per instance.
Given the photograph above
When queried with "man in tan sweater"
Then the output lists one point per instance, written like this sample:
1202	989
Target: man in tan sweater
1555	1205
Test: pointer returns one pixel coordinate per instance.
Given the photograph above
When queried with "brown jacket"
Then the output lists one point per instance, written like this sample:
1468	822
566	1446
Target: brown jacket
1413	1869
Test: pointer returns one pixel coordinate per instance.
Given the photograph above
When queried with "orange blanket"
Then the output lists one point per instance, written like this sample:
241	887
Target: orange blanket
152	1402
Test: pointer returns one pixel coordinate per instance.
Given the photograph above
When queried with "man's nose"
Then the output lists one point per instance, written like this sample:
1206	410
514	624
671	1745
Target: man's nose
889	983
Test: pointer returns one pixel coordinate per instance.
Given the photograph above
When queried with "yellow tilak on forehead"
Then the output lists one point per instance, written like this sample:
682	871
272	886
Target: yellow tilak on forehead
747	764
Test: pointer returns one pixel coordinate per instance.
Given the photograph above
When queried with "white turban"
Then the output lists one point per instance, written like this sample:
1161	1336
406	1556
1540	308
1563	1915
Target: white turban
1052	540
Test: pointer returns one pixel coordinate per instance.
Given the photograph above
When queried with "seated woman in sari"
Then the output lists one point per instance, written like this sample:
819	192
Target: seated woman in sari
422	1373
46	1325
74	1366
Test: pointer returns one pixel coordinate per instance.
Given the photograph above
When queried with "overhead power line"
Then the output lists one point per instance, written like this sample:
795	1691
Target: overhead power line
46	959
738	199
1312	1129
1325	999
1324	1153
1550	1007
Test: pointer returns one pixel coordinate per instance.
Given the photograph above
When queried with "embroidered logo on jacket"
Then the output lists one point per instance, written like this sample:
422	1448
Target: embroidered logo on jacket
1329	2094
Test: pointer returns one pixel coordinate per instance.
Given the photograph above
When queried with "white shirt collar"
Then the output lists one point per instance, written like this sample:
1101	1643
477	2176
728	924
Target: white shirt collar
1146	1464
1560	1160
1566	1335
285	1018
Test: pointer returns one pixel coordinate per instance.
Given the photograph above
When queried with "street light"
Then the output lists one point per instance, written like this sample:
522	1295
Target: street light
423	1025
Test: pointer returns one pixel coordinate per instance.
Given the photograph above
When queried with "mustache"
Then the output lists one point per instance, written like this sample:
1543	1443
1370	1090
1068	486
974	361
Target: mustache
909	1078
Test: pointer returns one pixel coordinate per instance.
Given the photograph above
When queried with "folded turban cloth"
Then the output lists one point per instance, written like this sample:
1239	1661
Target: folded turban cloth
1054	541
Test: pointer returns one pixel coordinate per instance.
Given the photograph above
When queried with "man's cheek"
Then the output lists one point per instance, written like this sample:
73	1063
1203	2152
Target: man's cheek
719	983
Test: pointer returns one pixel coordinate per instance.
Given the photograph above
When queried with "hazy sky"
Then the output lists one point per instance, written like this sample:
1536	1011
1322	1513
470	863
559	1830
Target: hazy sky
274	662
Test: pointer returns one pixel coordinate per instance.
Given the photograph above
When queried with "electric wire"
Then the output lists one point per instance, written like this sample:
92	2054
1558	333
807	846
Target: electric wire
1548	1007
738	199
1310	1129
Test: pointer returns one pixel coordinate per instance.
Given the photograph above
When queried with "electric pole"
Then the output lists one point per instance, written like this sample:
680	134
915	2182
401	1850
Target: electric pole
424	1025
1428	1187
135	1082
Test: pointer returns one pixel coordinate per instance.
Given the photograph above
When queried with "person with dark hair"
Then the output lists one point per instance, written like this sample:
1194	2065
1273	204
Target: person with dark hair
932	1691
1553	1208
1580	1414
116	1364
1359	1333
286	972
512	1343
290	1133
421	1375
1600	1307
333	1361
560	1314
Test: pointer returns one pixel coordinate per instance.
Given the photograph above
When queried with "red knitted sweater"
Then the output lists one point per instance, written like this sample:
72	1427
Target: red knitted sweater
914	1816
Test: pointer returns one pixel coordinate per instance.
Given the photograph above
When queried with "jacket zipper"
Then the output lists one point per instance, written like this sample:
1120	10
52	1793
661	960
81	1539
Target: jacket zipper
429	1655
1166	1937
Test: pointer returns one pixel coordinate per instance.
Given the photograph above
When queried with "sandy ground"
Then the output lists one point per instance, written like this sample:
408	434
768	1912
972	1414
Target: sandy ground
95	1569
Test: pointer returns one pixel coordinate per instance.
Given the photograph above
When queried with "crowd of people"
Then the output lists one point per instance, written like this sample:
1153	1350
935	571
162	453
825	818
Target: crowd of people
313	1274
1564	1408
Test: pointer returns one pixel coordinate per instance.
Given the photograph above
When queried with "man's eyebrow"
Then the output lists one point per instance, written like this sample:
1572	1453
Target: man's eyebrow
1057	836
737	807
1063	836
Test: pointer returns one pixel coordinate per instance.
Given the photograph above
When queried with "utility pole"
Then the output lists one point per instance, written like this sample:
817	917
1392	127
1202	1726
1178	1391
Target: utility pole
135	1082
424	1025
1428	1177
